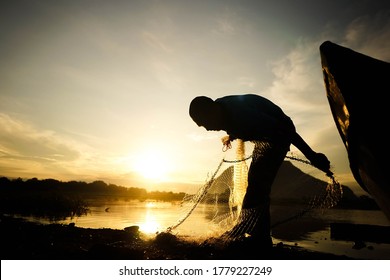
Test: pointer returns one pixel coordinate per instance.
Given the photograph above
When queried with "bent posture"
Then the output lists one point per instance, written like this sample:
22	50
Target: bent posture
254	118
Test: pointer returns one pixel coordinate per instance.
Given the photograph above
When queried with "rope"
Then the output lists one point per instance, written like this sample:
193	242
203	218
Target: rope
236	160
299	159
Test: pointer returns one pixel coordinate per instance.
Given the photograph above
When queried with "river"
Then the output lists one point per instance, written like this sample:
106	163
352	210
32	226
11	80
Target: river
312	231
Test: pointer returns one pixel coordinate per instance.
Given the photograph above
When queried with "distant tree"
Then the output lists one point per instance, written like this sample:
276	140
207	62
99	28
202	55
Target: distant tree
5	183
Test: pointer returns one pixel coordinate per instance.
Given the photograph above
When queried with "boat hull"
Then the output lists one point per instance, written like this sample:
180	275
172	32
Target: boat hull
357	88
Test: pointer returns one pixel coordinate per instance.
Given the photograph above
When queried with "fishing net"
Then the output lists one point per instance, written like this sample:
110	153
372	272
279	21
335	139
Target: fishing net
219	200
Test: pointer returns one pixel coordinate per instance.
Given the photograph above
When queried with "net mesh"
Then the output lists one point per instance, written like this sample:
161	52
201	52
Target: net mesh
220	198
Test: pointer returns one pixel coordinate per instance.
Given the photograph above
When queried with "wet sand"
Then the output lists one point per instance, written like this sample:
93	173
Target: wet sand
22	240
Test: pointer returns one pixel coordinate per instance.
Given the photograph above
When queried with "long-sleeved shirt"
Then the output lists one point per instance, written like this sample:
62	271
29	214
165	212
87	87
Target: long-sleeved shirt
252	117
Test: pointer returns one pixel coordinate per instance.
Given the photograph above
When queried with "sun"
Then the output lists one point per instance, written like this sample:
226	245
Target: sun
152	165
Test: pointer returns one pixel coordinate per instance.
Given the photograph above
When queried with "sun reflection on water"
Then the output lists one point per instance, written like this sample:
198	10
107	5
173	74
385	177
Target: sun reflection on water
150	224
150	204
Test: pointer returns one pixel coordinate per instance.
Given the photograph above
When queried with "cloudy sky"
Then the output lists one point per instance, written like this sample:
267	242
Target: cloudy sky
99	90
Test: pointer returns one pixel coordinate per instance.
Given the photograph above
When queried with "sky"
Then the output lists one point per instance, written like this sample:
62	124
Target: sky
100	90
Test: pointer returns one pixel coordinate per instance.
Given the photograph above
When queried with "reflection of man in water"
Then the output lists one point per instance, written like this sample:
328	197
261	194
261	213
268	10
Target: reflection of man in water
254	118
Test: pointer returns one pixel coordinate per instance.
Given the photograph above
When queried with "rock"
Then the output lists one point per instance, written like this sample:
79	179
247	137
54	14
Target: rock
359	245
133	230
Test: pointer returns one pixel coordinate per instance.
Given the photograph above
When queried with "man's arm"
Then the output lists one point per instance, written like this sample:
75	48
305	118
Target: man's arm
319	160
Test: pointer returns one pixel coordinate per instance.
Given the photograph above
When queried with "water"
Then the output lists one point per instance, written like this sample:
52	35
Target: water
311	231
314	233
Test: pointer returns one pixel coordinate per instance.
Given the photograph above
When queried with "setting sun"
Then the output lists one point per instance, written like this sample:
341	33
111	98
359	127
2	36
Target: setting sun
153	165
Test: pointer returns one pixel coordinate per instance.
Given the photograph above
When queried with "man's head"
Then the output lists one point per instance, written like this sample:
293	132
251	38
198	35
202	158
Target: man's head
207	113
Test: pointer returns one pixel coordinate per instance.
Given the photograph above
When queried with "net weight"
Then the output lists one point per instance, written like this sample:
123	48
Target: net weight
242	270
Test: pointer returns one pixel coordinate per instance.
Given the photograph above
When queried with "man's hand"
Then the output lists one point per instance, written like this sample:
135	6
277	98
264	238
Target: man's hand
226	143
321	162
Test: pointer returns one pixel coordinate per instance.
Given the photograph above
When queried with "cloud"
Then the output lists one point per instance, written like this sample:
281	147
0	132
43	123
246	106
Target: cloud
168	76
26	149
21	139
224	26
370	35
299	90
225	23
156	42
248	82
298	75
298	85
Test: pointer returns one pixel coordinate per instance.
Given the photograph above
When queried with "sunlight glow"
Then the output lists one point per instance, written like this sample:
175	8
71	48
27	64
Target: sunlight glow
149	226
152	165
150	204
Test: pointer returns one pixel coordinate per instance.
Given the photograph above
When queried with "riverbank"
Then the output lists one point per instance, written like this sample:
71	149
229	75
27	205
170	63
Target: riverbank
23	240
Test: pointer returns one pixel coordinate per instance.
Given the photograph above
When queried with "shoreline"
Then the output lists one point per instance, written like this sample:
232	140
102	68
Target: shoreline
24	240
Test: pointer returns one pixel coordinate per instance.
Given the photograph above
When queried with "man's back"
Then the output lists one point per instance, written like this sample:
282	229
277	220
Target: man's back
253	117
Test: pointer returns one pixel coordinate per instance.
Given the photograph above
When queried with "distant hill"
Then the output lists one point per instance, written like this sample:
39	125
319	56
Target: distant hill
292	184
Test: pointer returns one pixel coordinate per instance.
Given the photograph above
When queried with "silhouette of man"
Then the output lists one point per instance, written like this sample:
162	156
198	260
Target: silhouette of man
254	118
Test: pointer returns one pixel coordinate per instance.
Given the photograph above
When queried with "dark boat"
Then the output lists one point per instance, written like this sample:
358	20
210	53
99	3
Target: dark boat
358	89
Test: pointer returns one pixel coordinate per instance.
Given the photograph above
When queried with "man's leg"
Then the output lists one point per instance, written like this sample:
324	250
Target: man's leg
266	161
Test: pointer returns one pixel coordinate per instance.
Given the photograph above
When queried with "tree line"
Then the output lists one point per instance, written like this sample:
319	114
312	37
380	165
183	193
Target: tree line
56	200
83	189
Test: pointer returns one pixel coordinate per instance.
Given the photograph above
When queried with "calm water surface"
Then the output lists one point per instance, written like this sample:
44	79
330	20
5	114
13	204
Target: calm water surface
311	231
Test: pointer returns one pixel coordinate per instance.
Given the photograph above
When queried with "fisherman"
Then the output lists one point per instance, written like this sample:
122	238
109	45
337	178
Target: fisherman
254	118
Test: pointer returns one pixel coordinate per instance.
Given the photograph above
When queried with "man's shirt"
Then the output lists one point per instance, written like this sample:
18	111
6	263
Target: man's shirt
252	117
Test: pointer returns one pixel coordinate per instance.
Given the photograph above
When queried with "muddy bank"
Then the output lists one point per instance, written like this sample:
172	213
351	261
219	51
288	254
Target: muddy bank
22	240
